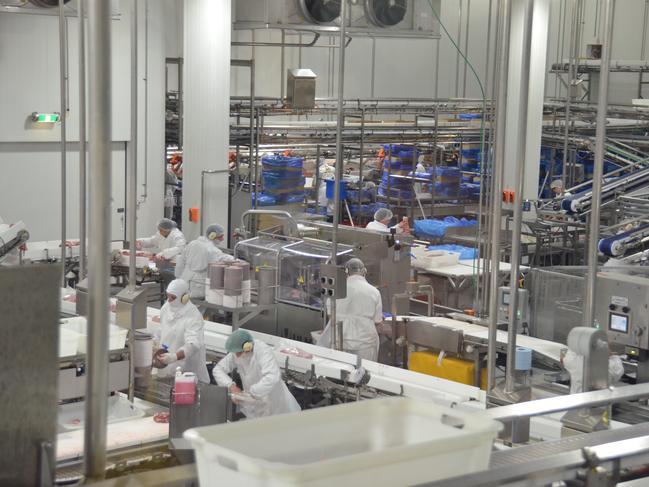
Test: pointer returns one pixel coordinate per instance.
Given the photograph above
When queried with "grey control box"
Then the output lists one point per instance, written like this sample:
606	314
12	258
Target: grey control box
333	280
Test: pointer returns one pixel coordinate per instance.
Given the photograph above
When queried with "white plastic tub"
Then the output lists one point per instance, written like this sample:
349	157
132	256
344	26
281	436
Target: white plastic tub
78	325
382	442
68	342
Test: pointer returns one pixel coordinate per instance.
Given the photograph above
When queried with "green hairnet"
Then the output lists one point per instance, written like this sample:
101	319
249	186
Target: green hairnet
234	343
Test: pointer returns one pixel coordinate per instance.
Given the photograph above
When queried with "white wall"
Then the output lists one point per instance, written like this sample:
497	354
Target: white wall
29	156
406	68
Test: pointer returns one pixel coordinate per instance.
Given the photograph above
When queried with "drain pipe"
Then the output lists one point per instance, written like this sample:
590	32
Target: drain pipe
82	140
598	169
99	243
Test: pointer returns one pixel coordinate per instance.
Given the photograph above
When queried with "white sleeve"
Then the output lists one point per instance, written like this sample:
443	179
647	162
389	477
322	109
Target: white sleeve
175	246
180	265
194	337
270	374
378	309
222	369
615	369
148	242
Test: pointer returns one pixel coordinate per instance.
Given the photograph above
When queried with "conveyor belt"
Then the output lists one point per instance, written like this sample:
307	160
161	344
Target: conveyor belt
537	451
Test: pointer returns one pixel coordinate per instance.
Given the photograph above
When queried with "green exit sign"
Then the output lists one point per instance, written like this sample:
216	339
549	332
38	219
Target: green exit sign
45	117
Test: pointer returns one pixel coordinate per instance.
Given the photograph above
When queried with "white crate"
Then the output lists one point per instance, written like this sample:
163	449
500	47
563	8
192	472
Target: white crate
382	442
117	335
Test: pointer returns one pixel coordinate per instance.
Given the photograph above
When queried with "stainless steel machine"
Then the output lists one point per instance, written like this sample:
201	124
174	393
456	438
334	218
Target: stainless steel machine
621	308
298	259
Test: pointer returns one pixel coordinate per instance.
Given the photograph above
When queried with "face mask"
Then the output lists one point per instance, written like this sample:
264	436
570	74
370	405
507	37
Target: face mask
176	304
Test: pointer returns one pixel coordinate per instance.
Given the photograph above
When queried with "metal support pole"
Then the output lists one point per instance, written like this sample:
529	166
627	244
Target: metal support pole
131	203
519	179
466	46
252	117
82	139
361	165
63	95
497	182
256	168
598	168
337	333
99	242
457	55
573	74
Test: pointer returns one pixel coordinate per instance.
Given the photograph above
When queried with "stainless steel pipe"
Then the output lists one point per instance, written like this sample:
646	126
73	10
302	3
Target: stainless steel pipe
82	140
99	242
336	335
519	180
63	100
131	201
598	168
505	9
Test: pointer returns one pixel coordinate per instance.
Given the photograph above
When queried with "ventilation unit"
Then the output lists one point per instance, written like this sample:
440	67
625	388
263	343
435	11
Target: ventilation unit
286	14
397	18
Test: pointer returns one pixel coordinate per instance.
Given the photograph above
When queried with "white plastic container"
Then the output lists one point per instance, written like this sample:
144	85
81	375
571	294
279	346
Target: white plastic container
68	342
71	416
380	442
117	335
433	259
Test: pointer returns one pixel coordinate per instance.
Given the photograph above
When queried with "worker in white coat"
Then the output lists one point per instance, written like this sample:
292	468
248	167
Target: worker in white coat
360	311
168	242
261	378
382	218
192	263
574	364
180	340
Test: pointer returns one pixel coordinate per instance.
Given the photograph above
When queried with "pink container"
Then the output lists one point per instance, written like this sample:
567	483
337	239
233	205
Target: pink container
185	388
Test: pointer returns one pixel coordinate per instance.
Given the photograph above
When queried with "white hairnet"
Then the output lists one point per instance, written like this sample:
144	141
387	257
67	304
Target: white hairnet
556	184
355	266
382	214
178	287
216	229
166	224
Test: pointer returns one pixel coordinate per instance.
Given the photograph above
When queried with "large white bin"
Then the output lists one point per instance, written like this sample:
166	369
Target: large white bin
116	335
380	442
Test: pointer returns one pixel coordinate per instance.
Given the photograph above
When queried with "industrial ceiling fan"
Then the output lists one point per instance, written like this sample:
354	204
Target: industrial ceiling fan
386	13
321	11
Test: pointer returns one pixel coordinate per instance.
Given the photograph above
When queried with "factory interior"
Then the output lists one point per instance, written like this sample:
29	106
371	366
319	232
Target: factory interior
287	243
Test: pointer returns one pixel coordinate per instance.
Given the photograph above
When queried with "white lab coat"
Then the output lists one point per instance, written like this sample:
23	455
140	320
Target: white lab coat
574	364
380	227
419	187
261	378
182	328
359	312
169	247
192	263
13	257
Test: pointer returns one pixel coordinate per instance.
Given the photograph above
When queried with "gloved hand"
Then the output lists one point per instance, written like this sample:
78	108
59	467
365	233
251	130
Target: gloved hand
161	257
168	358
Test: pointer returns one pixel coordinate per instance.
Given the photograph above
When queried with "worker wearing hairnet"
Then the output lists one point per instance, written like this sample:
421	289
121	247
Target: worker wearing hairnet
360	311
382	218
574	364
260	376
192	263
168	242
180	340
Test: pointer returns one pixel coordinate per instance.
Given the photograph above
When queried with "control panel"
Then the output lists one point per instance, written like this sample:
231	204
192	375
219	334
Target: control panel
523	319
621	309
333	280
